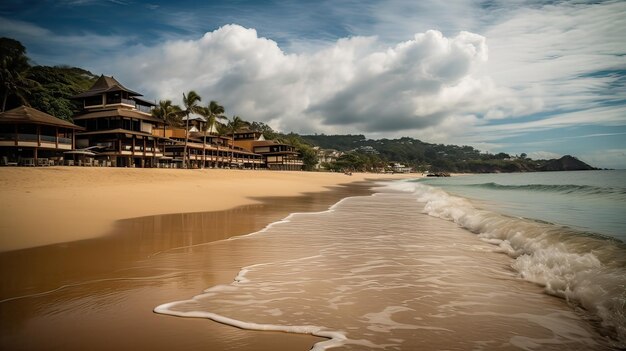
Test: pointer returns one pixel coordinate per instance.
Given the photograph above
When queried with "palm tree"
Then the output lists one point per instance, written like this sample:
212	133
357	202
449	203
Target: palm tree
191	106
233	126
212	113
14	69
170	114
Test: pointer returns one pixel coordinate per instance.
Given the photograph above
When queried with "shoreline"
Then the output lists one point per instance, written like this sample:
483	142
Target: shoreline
44	206
119	278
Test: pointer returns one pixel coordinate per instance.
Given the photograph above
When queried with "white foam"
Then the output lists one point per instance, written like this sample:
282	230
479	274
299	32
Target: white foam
554	257
335	338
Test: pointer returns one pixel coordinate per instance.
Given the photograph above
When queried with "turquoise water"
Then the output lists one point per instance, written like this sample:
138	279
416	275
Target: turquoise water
589	201
564	230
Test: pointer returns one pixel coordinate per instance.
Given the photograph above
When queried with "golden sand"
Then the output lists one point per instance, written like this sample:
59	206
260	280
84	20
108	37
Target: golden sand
41	206
97	292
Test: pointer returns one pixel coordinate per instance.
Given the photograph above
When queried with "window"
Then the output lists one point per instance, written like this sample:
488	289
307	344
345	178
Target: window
114	98
93	100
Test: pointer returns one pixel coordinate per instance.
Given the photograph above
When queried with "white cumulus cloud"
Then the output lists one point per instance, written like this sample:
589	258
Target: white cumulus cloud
356	84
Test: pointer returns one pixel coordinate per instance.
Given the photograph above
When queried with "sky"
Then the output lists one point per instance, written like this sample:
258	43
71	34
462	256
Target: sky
545	78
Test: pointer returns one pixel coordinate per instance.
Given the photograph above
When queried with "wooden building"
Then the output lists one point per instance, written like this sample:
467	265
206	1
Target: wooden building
30	137
276	155
215	152
118	124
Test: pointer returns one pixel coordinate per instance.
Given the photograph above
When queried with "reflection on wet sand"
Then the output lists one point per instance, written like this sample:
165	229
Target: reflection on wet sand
99	293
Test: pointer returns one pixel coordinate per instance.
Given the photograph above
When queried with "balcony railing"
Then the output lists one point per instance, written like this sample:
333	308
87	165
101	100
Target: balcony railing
34	138
48	138
112	101
142	108
128	102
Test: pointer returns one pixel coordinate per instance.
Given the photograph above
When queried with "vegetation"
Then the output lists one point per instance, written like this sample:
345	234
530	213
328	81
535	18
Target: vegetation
55	86
14	68
190	101
267	131
45	88
212	113
169	113
363	154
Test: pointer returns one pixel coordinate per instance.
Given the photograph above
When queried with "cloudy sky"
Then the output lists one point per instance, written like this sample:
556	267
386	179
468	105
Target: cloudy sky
546	78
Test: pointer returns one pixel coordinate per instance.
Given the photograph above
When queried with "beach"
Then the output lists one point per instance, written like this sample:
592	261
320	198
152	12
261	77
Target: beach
86	259
42	206
312	261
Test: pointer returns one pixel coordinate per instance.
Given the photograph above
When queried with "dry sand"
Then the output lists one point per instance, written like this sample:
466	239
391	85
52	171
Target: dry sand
41	206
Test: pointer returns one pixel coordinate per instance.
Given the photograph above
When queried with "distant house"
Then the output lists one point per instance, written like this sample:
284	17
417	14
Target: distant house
118	125
30	137
400	168
326	156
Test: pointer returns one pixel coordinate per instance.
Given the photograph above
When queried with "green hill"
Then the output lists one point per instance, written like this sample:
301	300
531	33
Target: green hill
56	86
369	154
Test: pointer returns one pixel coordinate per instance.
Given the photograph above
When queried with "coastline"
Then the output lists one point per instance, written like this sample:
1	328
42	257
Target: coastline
71	294
43	206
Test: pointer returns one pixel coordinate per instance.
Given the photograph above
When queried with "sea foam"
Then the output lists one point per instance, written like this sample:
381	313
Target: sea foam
589	271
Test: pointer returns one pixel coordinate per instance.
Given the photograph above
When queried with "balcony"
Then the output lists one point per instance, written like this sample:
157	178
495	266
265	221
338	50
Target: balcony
118	100
144	109
33	138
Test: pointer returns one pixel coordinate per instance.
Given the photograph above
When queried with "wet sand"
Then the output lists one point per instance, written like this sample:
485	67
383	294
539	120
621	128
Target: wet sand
99	293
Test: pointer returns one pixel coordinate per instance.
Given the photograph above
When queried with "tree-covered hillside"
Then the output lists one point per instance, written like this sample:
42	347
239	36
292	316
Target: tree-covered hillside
45	88
56	86
370	154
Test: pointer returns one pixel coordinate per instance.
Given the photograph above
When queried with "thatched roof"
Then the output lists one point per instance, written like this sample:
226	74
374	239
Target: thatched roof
103	85
25	114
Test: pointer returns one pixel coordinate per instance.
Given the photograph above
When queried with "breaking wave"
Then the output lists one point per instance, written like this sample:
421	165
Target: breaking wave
586	269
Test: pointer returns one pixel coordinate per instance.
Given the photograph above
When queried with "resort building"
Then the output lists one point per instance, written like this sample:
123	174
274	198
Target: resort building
276	155
215	151
29	137
118	125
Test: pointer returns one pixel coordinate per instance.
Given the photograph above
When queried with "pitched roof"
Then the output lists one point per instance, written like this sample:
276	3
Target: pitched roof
25	114
194	118
103	85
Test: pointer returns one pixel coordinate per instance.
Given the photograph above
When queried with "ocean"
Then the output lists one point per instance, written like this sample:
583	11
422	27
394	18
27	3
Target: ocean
533	261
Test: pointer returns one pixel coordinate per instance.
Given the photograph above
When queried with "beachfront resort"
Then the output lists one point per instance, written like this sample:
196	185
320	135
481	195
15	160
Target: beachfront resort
116	127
